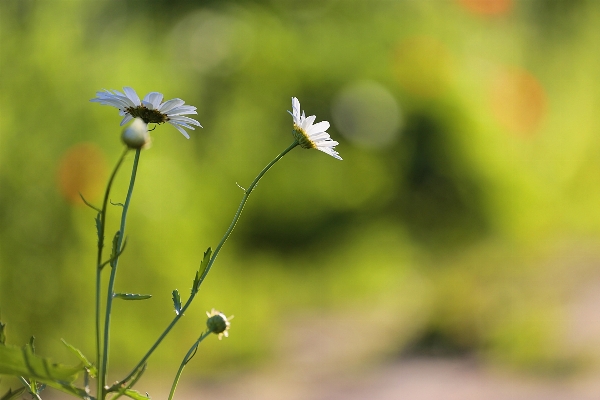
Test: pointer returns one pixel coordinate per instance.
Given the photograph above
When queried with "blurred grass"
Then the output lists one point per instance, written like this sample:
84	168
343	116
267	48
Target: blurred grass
448	230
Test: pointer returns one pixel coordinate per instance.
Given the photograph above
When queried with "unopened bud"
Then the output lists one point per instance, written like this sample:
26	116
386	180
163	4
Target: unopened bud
218	323
136	135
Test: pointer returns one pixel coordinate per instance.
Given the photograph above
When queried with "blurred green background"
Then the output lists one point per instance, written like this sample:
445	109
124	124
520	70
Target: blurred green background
464	218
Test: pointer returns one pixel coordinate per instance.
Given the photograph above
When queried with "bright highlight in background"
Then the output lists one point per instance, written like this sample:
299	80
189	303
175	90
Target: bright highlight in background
367	114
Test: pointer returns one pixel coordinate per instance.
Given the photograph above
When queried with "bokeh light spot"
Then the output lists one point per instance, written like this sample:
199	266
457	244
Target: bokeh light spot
82	169
423	66
487	7
213	42
367	114
518	100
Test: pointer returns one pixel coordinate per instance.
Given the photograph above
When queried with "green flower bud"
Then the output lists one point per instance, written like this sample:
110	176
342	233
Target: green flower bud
218	323
136	135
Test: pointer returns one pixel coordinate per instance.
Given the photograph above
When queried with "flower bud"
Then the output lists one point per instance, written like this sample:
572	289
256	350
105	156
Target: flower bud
136	135
218	323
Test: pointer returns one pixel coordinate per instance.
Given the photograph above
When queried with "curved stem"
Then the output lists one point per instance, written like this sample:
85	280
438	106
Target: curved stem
99	257
186	359
241	207
209	265
111	282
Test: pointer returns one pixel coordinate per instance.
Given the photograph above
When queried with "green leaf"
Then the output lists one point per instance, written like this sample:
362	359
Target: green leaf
203	265
131	296
176	301
19	361
98	226
68	388
2	334
88	203
115	251
31	344
10	395
114	257
134	394
86	364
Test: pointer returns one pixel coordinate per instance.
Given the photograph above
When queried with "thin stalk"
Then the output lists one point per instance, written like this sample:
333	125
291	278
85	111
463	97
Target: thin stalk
210	263
241	207
186	359
99	259
111	282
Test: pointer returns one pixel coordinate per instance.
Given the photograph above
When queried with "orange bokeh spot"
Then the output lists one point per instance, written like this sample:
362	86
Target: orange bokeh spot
518	100
423	66
82	169
487	7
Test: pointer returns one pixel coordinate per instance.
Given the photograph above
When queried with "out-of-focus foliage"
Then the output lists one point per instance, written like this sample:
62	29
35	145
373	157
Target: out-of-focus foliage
470	180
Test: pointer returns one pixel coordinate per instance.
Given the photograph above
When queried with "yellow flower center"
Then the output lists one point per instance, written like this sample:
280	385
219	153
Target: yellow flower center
302	138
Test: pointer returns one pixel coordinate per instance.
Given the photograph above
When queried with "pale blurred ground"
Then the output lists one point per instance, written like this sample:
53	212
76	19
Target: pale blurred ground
327	357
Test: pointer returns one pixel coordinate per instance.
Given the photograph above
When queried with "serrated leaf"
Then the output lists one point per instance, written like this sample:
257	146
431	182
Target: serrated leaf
115	250
20	361
87	365
98	226
201	270
31	344
176	301
10	395
131	296
134	394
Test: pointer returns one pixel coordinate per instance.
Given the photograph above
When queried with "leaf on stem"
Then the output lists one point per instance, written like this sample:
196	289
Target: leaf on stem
31	344
10	395
2	334
131	296
98	227
87	203
201	270
115	251
134	394
114	257
86	364
20	361
176	301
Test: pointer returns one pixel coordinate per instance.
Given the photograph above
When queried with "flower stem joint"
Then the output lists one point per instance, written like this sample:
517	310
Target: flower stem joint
218	323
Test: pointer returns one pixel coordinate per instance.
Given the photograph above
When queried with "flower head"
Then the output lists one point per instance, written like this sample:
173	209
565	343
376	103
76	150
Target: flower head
150	110
218	323
311	136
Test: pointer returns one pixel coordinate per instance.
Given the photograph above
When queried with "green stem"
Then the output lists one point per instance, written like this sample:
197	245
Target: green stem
111	282
186	359
207	269
241	207
99	259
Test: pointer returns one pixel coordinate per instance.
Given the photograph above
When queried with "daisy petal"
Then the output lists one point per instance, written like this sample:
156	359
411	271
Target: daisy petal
170	104
183	132
131	95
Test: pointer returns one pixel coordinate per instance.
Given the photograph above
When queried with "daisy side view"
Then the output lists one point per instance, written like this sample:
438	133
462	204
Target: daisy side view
151	109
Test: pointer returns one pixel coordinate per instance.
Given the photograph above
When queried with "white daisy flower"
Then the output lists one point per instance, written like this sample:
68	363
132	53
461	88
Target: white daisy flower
311	136
151	110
